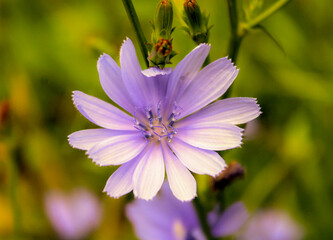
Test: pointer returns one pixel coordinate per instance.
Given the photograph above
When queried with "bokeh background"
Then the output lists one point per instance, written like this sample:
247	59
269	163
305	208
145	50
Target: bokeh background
50	48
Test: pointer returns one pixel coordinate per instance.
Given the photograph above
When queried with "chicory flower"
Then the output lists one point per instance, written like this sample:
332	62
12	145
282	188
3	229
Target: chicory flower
170	123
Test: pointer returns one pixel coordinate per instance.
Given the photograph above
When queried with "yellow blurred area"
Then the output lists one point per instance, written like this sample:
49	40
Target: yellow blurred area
6	216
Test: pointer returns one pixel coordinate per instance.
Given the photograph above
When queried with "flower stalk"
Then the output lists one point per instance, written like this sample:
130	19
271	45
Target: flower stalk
14	199
202	218
133	17
236	37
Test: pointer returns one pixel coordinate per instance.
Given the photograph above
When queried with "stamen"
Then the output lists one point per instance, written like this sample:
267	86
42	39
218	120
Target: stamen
172	117
155	126
142	126
149	113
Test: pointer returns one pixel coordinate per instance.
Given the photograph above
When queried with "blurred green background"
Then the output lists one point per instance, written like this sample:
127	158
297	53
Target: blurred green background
50	48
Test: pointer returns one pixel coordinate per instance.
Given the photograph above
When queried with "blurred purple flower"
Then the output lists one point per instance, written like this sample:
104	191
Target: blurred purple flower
166	218
271	225
73	216
156	136
228	222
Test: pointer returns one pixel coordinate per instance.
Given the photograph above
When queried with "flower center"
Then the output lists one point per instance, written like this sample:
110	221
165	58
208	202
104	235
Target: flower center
154	126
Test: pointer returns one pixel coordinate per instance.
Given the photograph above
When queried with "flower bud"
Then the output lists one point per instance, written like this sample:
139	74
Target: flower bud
197	22
233	172
163	19
160	48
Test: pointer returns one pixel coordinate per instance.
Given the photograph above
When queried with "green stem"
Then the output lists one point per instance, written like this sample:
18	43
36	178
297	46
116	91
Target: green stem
270	11
233	15
137	28
234	45
236	36
202	218
14	200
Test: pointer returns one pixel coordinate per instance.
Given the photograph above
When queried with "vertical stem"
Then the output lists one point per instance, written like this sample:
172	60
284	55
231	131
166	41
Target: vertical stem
234	46
137	28
235	38
233	15
13	199
202	218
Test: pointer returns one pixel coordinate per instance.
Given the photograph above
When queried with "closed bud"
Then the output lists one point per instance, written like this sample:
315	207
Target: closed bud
233	172
197	22
160	48
163	19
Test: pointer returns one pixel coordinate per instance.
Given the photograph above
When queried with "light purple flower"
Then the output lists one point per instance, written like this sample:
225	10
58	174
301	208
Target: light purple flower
271	225
230	221
167	127
75	215
167	218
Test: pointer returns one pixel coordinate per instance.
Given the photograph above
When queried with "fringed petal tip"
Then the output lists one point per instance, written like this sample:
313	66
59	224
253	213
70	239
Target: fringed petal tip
102	57
224	168
110	194
69	139
126	42
147	199
75	95
208	45
230	59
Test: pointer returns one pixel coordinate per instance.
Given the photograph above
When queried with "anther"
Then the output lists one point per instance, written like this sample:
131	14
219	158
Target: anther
172	117
149	114
142	126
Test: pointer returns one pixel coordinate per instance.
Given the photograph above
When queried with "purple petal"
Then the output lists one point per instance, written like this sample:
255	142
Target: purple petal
73	216
221	137
163	217
120	182
86	139
185	71
102	113
181	181
157	82
118	149
230	221
231	110
149	174
150	220
112	83
209	84
197	160
132	76
272	225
